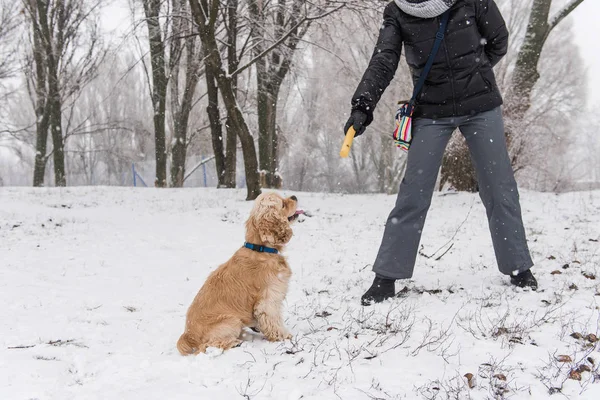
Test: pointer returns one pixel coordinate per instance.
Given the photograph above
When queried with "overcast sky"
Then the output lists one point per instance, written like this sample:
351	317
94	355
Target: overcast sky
587	21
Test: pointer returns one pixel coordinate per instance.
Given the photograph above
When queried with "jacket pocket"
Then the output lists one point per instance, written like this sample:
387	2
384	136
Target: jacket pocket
475	84
487	74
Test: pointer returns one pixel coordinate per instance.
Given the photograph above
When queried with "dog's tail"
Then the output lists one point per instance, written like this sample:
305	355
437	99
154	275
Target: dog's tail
188	344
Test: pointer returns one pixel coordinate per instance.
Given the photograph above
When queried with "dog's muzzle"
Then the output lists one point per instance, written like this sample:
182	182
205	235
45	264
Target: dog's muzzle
296	215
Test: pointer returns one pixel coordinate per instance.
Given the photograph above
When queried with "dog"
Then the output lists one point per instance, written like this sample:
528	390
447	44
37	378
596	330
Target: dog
249	289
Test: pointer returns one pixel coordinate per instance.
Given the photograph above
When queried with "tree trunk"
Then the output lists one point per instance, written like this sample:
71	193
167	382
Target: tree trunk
179	120
268	141
273	177
58	151
264	136
230	156
53	101
276	179
216	128
264	103
41	140
233	63
526	74
178	155
182	108
457	168
41	110
178	152
159	89
237	122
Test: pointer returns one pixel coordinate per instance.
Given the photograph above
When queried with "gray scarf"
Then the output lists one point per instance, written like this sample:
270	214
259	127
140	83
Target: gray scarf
425	8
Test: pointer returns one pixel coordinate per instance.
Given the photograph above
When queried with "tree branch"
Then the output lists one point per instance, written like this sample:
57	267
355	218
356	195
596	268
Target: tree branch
562	14
290	32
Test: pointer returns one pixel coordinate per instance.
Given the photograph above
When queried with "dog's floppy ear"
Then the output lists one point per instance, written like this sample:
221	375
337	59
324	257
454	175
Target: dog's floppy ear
272	226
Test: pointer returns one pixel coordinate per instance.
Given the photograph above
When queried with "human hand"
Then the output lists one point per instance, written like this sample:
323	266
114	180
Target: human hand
358	119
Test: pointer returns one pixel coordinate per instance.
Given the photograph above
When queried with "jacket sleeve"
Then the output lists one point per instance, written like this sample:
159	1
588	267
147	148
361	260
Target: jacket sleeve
382	66
493	29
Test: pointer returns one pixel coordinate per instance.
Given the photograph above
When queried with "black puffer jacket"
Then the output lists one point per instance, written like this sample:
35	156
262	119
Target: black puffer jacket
461	81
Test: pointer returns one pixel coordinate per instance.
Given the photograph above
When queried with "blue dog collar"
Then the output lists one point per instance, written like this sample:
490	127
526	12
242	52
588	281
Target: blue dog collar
261	249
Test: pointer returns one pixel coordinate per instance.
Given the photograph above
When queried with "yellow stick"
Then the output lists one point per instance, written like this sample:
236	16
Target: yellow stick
347	142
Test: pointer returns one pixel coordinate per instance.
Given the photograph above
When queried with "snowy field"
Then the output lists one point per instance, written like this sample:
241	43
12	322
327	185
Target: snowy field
95	283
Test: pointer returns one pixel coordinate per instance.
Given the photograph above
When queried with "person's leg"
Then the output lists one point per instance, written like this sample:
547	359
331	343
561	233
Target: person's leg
484	134
400	243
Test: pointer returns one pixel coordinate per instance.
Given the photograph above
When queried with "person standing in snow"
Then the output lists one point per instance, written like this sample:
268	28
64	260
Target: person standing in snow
460	91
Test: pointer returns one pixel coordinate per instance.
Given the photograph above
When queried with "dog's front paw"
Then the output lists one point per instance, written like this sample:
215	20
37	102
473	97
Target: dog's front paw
285	335
278	336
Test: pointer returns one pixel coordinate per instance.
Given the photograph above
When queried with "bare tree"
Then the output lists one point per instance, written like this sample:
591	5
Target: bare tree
277	29
206	13
47	57
42	112
216	127
8	24
62	67
108	127
175	70
526	74
270	21
184	47
518	74
225	156
159	87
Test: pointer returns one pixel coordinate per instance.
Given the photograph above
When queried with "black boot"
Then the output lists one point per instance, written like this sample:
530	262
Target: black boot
380	290
524	279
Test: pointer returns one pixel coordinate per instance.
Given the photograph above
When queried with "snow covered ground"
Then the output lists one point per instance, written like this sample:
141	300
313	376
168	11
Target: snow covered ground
95	283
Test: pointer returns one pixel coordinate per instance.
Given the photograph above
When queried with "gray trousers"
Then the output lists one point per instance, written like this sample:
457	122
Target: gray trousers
484	133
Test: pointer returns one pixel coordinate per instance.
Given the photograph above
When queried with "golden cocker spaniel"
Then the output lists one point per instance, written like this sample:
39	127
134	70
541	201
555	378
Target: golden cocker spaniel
248	290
